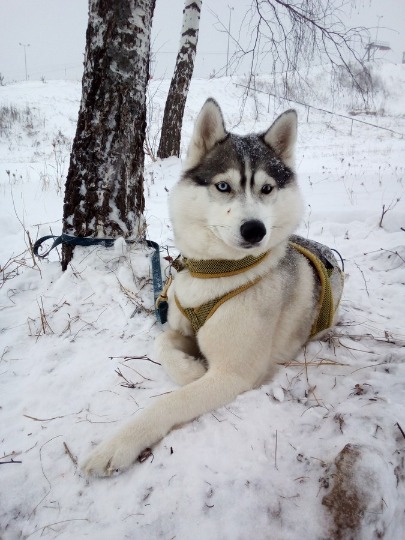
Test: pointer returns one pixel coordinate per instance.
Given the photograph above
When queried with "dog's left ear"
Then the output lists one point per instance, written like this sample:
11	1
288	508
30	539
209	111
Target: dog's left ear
208	130
282	136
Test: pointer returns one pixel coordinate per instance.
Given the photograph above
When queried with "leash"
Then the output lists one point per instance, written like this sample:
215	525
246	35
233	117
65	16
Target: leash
159	294
71	241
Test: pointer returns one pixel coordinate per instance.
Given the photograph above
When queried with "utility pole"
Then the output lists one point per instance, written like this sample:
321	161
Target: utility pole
25	45
378	26
229	33
376	45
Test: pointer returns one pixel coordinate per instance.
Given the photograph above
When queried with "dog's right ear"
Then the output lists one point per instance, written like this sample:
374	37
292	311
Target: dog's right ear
282	136
208	130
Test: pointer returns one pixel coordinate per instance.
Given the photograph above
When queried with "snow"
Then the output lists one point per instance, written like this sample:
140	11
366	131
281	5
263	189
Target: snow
76	347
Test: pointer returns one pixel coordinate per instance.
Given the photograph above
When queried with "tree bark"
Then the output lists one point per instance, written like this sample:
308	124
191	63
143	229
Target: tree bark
176	100
104	185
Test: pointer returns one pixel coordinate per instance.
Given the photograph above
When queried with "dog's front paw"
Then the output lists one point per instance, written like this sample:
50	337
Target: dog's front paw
111	456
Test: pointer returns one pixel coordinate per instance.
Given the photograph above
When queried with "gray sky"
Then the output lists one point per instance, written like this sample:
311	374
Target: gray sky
55	31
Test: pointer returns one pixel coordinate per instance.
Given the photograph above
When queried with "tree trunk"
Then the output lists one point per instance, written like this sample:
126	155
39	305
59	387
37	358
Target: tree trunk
176	100
104	185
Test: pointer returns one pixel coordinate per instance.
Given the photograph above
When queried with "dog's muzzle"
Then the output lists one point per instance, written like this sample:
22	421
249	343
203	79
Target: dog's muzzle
253	231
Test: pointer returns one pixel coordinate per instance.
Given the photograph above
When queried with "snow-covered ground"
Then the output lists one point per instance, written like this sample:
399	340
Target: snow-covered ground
317	453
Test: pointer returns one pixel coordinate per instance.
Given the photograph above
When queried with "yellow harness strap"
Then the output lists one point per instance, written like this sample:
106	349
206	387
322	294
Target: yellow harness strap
199	315
217	268
326	305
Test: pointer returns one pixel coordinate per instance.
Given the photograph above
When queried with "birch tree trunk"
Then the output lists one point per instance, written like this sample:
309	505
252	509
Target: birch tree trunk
176	100
104	185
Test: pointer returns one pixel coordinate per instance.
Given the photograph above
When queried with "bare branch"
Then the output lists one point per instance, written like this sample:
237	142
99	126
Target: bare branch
293	35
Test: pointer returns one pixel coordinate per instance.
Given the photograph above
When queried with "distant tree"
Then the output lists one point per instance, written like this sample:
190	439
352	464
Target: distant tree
176	100
104	185
291	34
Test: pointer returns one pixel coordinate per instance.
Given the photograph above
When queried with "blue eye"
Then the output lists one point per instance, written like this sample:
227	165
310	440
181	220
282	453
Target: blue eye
266	189
223	187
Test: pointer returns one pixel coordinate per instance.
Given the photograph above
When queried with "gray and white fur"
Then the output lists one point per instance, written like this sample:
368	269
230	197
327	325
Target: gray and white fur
237	196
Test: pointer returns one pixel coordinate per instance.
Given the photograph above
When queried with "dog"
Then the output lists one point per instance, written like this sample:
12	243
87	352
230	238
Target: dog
247	294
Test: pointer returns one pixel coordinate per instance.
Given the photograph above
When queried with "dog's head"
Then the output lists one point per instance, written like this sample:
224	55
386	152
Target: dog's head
237	195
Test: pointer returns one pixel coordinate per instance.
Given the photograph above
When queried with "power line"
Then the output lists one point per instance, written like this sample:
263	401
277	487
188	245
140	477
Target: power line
321	110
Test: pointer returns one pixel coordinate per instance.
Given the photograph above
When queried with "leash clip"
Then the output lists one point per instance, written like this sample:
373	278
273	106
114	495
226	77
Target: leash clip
163	295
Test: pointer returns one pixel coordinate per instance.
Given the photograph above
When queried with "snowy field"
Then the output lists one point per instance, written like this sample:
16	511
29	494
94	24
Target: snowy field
316	454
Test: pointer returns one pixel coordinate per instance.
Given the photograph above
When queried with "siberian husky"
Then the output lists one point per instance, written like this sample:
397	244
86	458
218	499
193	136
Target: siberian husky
237	200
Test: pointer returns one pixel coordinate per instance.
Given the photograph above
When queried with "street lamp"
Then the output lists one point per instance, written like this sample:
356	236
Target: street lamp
229	33
25	45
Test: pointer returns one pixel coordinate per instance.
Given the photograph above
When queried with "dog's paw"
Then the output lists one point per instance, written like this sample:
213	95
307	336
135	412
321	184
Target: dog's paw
112	456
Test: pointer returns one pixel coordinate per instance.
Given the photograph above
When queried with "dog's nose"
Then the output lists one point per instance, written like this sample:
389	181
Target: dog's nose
253	231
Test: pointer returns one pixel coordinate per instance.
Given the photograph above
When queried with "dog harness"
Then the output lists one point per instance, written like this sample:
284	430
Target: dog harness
320	257
326	305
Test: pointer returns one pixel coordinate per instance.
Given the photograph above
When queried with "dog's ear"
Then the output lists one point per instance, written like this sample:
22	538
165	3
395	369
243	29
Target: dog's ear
282	136
208	130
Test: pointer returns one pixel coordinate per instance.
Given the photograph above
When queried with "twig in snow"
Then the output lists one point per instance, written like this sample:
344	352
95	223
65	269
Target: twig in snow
92	324
49	419
133	298
385	209
27	234
394	253
145	454
364	279
43	325
31	249
87	419
400	429
275	453
69	453
312	391
127	383
11	268
370	365
229	410
7	462
44	321
11	455
350	348
137	372
313	407
143	357
301	479
46	478
55	523
5	351
162	394
321	362
388	338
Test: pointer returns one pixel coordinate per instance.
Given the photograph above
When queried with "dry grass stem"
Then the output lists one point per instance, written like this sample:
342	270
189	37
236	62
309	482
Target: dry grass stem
143	357
311	363
69	453
50	419
128	383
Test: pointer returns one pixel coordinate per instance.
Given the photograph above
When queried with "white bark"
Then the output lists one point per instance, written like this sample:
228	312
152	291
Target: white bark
180	83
